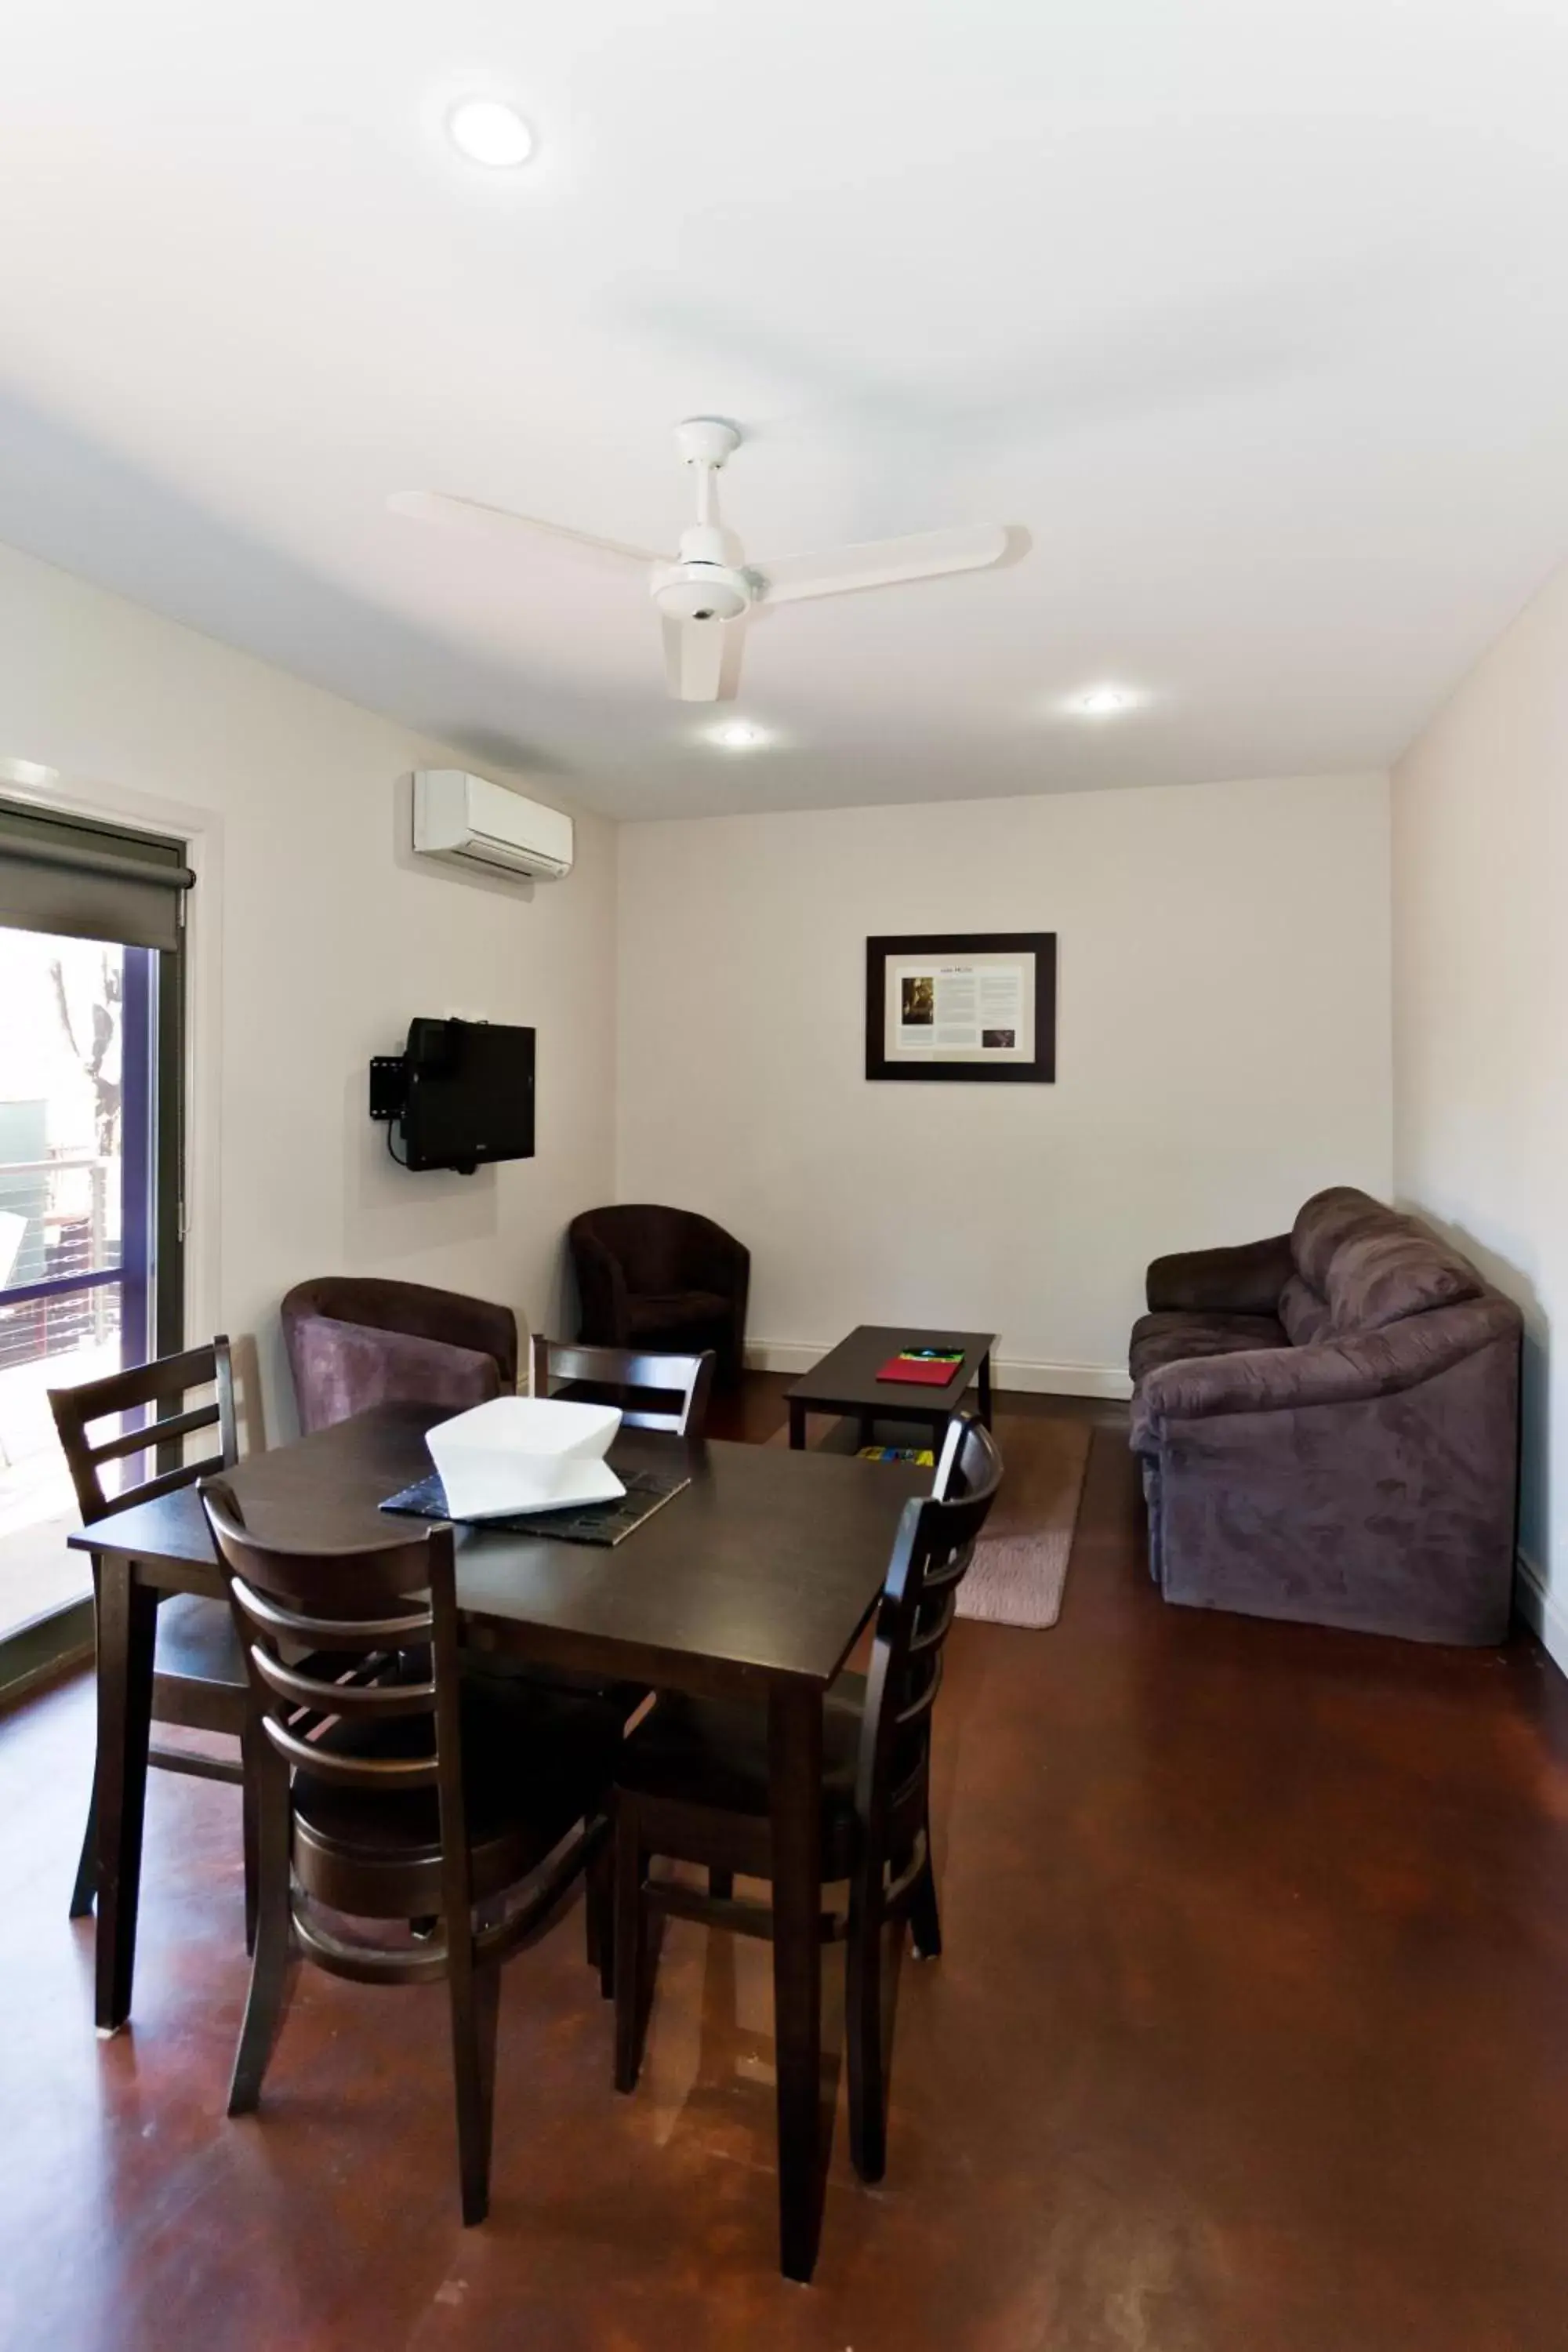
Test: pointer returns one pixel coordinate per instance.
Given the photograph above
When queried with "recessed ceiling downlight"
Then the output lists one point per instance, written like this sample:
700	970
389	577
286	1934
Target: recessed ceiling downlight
1104	702
488	131
738	735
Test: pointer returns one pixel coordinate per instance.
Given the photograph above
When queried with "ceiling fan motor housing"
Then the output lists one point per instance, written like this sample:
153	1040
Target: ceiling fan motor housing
700	590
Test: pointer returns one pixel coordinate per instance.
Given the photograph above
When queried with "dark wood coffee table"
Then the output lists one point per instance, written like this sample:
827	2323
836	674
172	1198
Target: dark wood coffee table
845	1381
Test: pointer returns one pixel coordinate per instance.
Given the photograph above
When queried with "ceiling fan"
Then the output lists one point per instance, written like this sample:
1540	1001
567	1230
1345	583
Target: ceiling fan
709	588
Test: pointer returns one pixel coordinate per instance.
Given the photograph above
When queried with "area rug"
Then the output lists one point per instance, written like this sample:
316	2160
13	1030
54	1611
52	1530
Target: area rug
1019	1572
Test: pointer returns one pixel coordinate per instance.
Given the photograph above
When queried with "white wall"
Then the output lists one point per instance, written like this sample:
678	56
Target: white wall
1223	1051
1480	1011
1223	1034
314	938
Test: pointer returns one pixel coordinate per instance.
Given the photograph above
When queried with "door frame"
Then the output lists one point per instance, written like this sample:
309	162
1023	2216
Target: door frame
51	792
46	1647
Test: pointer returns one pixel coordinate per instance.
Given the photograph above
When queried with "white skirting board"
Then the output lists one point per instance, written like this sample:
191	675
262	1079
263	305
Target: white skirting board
1006	1371
1541	1610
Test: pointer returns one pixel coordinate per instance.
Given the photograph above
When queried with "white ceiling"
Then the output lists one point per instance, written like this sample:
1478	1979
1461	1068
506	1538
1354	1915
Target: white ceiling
1252	316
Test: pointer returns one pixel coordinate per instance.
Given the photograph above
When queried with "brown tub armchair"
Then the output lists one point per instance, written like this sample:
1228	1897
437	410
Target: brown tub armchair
356	1341
1328	1426
662	1278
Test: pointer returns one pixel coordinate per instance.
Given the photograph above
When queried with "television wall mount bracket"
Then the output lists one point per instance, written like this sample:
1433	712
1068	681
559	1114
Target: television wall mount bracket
388	1085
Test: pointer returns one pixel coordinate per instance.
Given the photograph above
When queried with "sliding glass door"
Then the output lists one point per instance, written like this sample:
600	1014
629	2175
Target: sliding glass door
89	1176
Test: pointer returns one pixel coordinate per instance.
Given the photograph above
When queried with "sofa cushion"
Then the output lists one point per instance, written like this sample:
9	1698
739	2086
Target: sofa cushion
1304	1315
1325	1222
1380	1277
1167	1339
675	1310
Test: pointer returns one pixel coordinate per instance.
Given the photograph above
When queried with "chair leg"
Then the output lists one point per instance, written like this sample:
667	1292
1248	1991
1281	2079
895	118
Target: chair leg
84	1889
722	1884
925	1920
86	1886
599	1917
475	1992
631	1944
250	1834
863	2029
272	1961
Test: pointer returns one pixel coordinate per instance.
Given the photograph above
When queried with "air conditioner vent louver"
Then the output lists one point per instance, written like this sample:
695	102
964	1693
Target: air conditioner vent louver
469	821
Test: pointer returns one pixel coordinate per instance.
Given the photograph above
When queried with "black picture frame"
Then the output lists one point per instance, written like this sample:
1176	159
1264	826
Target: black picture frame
951	946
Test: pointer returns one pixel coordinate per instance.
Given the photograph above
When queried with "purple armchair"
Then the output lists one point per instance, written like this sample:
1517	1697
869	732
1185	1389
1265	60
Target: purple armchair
661	1278
355	1343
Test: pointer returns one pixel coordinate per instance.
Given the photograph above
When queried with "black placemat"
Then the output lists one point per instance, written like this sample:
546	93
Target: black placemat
589	1523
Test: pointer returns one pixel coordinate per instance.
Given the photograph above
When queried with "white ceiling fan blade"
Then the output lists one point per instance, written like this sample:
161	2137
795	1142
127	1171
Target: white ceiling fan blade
924	555
481	522
702	659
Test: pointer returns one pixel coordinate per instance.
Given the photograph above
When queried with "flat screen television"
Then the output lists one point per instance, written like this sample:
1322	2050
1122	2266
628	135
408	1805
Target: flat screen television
468	1095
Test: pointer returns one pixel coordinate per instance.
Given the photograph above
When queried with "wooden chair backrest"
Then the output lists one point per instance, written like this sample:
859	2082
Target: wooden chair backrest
624	1377
306	1612
931	1552
166	1381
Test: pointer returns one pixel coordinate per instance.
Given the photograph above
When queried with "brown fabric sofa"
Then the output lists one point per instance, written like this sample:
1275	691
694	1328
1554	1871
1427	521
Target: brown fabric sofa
1327	1423
655	1278
354	1341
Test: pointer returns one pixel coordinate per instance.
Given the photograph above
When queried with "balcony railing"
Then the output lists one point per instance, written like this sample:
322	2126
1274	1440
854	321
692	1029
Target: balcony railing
61	1269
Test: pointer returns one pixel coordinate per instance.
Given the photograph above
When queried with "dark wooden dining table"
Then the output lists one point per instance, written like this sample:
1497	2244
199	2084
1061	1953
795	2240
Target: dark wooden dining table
754	1581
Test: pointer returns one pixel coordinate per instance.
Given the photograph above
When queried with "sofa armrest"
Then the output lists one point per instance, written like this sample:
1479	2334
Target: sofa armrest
342	1369
1351	1371
1244	1280
736	1261
605	1320
740	1292
484	1328
711	1258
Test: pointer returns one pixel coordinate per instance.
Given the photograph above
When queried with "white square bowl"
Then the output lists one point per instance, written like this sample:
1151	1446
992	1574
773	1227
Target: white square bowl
524	1454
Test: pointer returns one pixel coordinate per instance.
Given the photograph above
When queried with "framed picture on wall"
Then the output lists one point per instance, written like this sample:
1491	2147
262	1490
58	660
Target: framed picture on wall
963	1005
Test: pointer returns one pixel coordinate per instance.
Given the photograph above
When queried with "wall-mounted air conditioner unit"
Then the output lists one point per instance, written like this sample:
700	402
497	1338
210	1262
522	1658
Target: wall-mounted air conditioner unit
475	822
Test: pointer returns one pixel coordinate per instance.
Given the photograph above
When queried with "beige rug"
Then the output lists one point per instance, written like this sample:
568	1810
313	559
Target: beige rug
1020	1567
1019	1572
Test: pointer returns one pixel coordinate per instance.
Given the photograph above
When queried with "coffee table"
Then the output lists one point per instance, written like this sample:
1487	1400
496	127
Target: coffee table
846	1380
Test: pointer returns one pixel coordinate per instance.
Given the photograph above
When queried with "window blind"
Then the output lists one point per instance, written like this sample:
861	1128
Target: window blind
88	881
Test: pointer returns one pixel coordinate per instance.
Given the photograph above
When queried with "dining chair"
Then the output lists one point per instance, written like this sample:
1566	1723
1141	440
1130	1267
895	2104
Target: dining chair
693	1786
668	1392
199	1678
633	1379
430	1798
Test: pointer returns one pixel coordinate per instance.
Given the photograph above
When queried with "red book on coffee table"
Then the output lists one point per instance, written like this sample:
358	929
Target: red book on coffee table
919	1372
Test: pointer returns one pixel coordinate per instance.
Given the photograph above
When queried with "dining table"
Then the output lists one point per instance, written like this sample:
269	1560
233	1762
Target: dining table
753	1580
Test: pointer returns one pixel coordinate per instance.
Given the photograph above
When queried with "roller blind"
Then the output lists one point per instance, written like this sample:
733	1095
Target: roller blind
87	881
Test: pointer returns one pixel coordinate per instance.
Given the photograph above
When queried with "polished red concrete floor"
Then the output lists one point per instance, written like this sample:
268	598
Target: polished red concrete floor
1251	2036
